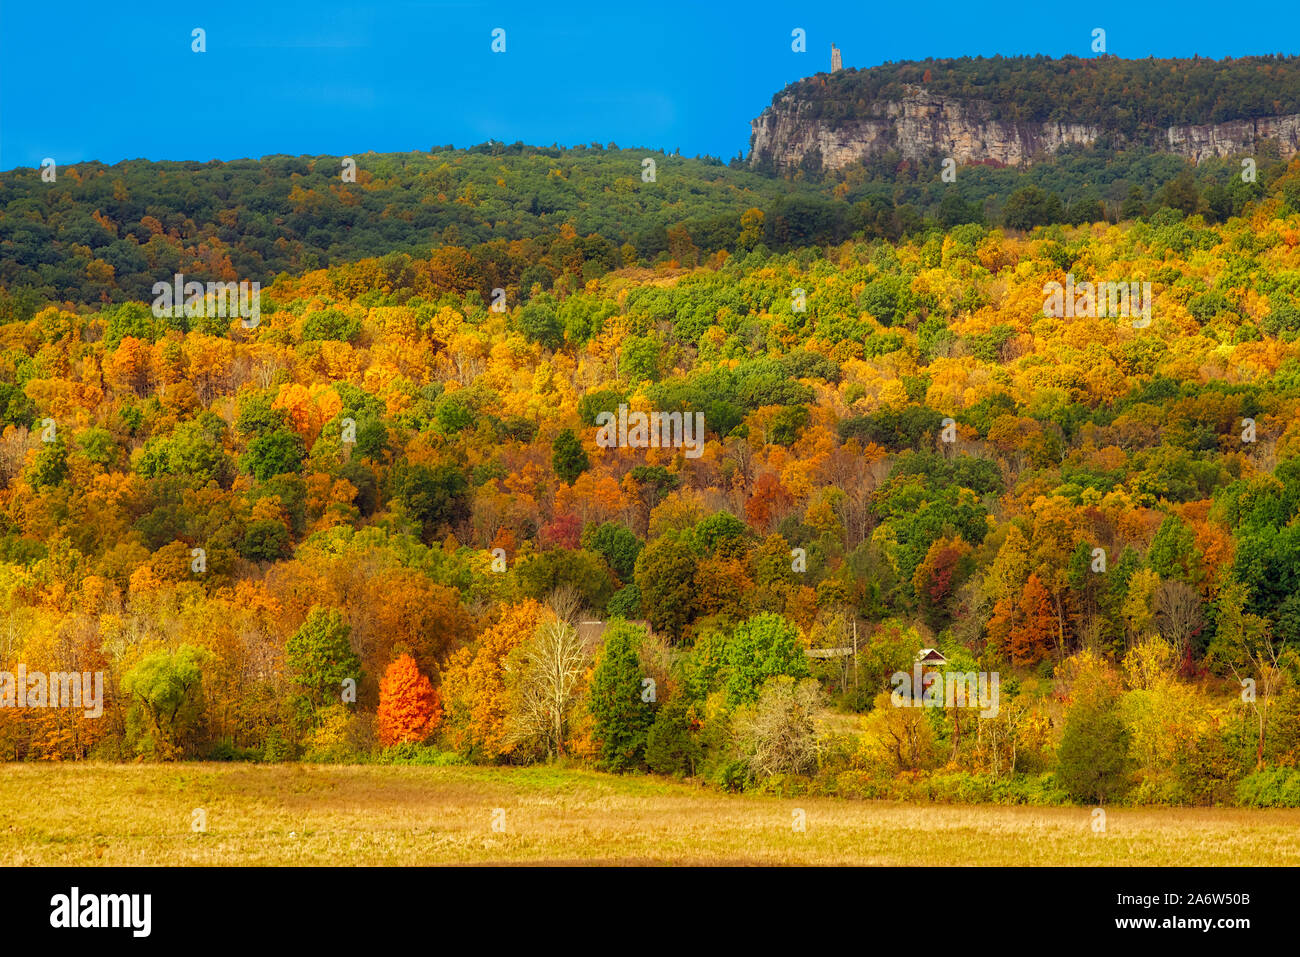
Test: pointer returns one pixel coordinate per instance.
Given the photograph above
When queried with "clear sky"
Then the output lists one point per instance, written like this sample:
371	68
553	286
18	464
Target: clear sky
109	80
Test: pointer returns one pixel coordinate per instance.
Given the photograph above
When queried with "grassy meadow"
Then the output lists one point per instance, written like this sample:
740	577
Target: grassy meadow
78	814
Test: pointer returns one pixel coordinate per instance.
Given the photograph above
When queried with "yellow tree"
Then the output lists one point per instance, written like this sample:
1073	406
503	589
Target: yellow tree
474	683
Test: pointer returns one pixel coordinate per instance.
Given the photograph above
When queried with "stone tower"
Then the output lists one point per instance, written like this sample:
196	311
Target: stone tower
836	62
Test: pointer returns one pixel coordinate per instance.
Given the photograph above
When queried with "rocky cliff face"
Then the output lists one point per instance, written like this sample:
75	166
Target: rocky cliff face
920	125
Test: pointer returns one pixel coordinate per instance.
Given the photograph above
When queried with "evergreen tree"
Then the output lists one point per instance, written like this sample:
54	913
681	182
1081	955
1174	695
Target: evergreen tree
670	746
665	578
569	458
618	699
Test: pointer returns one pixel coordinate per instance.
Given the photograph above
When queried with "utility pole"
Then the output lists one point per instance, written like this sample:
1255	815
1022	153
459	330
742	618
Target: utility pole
855	653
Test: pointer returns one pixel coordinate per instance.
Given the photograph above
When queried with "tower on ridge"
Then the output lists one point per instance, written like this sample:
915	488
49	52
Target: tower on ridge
836	62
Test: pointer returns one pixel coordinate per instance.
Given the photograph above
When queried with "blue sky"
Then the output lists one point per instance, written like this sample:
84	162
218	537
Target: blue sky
112	81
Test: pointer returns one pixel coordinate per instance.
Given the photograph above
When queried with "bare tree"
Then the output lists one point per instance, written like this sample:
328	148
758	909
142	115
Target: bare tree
998	736
545	673
1178	613
265	371
974	609
566	604
778	733
857	477
13	452
1262	658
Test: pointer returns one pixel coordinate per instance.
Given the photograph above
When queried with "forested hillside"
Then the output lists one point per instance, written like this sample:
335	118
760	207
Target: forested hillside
386	481
525	215
108	231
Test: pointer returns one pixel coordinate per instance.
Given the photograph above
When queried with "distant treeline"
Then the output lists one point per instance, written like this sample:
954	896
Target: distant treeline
104	234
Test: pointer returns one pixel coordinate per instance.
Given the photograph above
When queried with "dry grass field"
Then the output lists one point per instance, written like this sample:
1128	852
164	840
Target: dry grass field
320	815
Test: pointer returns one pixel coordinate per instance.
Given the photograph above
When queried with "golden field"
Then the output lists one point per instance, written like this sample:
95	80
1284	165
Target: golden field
381	815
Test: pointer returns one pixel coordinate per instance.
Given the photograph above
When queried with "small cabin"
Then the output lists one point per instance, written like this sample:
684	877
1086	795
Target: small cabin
930	656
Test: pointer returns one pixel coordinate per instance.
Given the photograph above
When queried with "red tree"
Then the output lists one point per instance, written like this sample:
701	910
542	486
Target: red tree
409	708
1031	638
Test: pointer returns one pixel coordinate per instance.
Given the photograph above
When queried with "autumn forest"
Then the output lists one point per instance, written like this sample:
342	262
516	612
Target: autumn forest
378	522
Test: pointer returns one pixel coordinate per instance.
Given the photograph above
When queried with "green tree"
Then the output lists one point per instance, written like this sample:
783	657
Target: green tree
617	543
1181	193
15	407
1173	552
265	540
1133	206
50	466
195	450
434	496
256	415
128	319
1093	759
760	648
280	452
165	690
98	445
320	658
720	532
568	457
593	403
622	716
953	210
670	746
665	577
453	414
639	359
625	603
372	438
540	323
330	324
561	568
1032	206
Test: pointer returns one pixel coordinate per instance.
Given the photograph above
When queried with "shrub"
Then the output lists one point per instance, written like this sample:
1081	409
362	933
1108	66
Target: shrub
341	736
732	775
670	746
275	748
418	754
1094	753
226	750
777	733
1270	787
